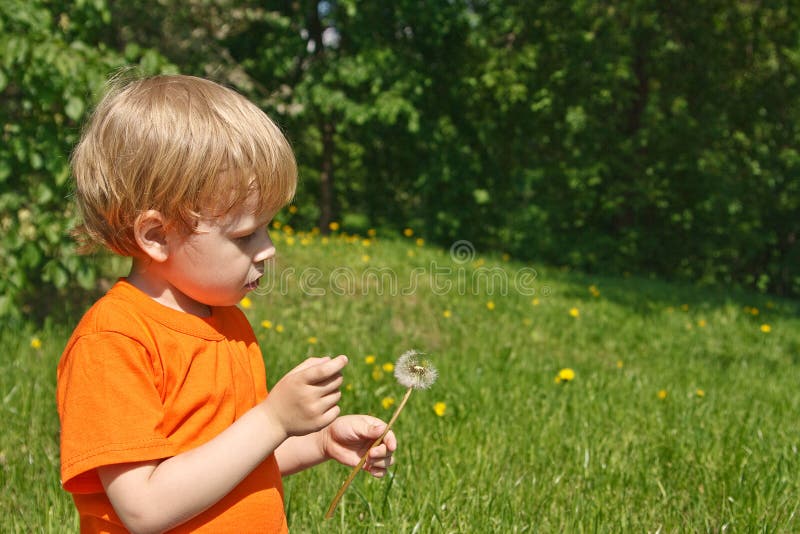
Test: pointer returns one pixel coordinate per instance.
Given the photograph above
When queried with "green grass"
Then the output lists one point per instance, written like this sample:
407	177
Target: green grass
515	451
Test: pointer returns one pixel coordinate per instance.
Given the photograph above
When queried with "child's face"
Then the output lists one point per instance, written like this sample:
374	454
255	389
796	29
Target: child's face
222	260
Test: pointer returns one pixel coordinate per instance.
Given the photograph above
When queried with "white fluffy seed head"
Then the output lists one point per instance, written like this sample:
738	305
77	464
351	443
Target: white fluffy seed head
413	371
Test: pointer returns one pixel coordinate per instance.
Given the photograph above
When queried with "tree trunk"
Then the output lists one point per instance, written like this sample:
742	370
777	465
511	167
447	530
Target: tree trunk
326	194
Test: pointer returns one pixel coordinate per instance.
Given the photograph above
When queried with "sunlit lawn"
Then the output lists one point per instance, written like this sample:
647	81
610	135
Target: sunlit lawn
679	413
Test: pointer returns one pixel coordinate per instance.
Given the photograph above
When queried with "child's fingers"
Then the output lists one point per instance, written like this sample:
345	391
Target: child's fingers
324	371
307	363
329	386
384	463
381	456
390	442
376	428
377	466
330	415
331	397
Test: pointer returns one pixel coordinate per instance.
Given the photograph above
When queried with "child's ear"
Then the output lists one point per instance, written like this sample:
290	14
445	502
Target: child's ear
151	235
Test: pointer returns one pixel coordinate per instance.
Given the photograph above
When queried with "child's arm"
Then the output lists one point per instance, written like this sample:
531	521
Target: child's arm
157	495
345	440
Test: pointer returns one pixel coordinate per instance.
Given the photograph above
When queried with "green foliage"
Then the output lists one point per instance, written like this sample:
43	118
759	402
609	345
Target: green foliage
611	137
643	136
52	65
649	137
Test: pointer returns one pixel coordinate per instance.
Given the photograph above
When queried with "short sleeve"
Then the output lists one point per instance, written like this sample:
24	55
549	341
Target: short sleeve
110	408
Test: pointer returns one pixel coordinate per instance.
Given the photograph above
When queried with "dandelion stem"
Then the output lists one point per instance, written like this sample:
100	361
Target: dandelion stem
360	464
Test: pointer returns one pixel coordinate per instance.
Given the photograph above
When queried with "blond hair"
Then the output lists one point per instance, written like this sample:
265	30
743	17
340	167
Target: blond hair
180	145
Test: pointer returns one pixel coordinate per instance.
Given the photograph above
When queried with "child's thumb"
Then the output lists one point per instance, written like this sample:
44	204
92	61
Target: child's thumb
376	428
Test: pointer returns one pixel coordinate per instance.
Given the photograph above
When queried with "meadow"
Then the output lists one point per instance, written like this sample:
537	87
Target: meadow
565	402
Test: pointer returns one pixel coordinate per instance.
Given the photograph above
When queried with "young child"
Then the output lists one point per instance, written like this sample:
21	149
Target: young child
166	422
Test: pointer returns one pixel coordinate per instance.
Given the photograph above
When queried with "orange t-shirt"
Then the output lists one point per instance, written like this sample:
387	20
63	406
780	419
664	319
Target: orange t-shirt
140	381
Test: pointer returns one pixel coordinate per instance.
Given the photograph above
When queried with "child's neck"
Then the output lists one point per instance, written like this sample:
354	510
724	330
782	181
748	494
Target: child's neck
145	278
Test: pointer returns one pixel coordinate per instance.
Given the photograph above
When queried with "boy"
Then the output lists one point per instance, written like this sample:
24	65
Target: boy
165	418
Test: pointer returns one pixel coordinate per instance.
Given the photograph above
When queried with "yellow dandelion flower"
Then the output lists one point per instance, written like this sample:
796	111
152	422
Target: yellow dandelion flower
440	408
290	241
388	367
333	226
766	328
377	374
324	240
700	393
490	305
619	364
276	225
266	324
292	209
662	394
410	253
313	340
36	343
594	291
387	402
685	307
288	230
420	242
702	323
366	243
372	232
770	304
365	258
574	312
305	241
369	359
506	257
535	302
754	311
566	375
447	314
348	387
408	232
279	328
246	303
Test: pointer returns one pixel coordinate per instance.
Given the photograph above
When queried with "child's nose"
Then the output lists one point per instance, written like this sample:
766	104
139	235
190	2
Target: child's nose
265	248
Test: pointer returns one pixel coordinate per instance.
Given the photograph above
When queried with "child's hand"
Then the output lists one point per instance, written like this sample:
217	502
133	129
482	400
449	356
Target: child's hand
304	400
348	438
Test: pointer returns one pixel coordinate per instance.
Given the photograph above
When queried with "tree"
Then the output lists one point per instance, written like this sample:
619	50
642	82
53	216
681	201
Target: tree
53	65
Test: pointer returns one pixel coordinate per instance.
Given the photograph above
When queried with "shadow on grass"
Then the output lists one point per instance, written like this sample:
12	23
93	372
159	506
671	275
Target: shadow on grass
651	295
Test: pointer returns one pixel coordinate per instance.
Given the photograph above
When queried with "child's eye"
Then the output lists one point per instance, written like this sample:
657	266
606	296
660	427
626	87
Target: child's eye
245	238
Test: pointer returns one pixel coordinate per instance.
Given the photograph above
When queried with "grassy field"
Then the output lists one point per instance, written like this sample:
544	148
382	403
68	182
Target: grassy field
680	413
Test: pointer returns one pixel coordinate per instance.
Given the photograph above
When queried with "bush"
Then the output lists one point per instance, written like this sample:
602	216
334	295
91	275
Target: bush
51	67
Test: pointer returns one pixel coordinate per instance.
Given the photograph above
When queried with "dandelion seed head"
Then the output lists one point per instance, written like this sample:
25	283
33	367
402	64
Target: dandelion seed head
413	371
